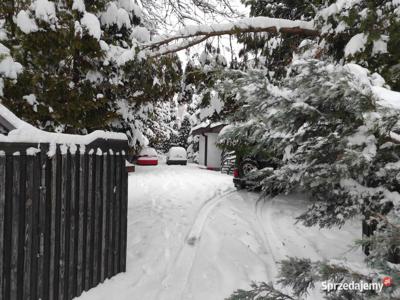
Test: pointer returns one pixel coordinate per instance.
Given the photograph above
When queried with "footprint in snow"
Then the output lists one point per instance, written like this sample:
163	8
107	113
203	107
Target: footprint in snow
192	241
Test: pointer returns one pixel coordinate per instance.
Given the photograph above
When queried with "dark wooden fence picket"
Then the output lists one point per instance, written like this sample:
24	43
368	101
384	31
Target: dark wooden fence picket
63	218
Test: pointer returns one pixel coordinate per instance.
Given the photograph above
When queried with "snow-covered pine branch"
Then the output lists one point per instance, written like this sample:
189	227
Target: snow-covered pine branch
200	33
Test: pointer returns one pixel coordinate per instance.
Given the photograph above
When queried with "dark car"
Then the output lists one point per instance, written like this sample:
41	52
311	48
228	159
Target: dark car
246	164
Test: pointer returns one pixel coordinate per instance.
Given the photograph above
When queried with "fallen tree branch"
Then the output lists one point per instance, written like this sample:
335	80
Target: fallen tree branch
177	48
247	25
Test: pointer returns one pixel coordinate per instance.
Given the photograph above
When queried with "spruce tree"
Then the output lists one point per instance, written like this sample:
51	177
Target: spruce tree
59	50
333	142
184	132
273	51
365	32
79	66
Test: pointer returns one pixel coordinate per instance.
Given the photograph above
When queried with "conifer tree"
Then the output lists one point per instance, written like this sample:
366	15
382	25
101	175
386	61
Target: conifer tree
333	142
79	71
58	48
274	51
184	132
365	32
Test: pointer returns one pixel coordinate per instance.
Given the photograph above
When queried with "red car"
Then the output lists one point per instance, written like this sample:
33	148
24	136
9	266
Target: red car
147	157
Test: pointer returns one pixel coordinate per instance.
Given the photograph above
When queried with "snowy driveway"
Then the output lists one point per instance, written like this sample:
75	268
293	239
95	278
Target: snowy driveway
191	235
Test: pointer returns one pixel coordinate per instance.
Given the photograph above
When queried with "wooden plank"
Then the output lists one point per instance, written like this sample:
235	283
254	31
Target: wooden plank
67	225
2	220
72	237
8	227
124	214
15	231
35	239
63	208
104	227
28	227
41	225
111	198
89	227
81	224
75	190
21	226
117	212
53	230
97	221
48	225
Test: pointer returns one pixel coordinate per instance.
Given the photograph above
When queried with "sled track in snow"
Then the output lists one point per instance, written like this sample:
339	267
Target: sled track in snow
176	278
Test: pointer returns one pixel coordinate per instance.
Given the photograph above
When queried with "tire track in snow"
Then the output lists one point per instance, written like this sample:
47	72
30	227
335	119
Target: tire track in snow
277	235
274	238
266	239
272	234
175	281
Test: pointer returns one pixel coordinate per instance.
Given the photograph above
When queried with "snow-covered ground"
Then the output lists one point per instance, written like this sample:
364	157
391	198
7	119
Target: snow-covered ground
191	235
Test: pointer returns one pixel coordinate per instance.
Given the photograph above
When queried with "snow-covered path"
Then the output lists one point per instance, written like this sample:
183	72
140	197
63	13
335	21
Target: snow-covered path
191	235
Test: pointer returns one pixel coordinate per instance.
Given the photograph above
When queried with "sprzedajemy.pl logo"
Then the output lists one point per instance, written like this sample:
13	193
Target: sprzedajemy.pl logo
360	286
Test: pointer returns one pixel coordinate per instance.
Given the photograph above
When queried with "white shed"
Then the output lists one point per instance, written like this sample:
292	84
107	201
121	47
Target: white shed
209	153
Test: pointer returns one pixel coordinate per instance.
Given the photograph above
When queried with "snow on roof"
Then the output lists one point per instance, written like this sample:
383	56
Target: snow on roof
201	125
148	151
207	126
22	132
213	125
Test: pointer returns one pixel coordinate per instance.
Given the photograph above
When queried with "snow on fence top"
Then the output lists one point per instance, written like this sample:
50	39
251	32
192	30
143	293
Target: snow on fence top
22	132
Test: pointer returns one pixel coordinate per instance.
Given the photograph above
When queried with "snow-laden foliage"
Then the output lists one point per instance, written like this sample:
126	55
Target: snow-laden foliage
332	141
78	69
365	32
331	137
274	50
302	275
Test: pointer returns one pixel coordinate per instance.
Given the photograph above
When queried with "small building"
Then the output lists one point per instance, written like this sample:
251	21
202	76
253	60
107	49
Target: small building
209	153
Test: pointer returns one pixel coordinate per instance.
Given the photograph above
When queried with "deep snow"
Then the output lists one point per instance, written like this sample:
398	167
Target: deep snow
191	235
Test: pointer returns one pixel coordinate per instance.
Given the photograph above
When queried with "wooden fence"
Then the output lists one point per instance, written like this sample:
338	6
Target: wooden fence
63	218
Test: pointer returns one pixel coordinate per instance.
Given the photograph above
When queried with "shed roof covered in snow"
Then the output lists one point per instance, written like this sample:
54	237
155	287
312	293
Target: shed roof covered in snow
208	127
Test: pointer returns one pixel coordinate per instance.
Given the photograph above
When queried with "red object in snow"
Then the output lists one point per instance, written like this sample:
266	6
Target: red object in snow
236	173
147	161
147	157
130	169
